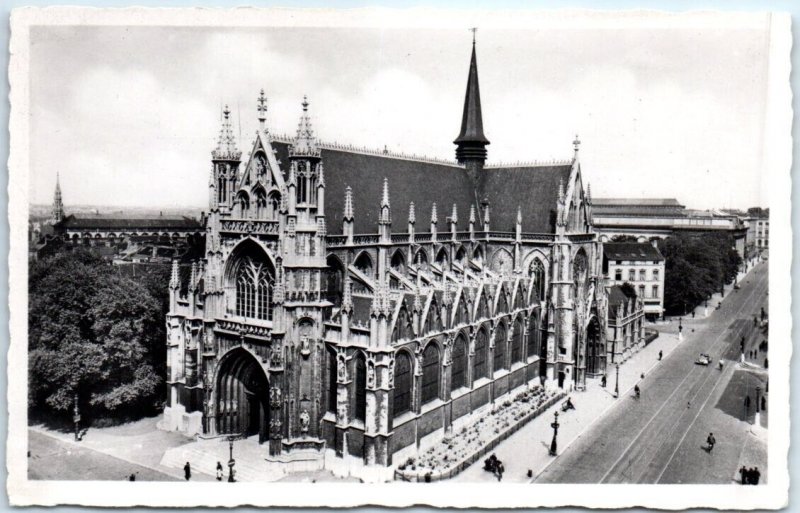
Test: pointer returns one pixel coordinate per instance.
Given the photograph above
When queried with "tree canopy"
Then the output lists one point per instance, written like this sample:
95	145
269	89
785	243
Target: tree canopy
696	267
95	333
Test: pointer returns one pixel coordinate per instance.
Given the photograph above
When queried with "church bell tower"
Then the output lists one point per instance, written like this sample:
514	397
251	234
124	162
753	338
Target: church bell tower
471	143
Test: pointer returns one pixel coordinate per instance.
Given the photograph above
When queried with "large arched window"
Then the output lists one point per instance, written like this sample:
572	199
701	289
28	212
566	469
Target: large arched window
399	262
335	280
430	373
534	333
364	264
502	303
538	276
516	341
500	347
459	370
402	383
441	258
254	282
333	382
360	368
421	259
479	360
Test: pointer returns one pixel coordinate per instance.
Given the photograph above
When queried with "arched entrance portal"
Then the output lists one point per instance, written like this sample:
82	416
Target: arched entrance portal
596	357
242	396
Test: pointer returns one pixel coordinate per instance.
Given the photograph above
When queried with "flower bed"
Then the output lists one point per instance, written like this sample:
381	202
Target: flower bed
464	447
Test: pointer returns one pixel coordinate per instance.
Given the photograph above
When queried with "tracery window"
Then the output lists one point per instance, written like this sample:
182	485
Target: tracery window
479	360
254	283
261	203
537	273
402	384
243	202
333	383
459	371
500	348
361	388
516	342
534	334
431	373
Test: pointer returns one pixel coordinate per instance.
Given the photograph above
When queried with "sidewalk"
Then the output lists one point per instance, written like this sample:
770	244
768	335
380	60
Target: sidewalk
137	442
528	448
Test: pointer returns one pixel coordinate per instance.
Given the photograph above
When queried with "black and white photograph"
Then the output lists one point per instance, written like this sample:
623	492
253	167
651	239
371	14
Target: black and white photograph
399	257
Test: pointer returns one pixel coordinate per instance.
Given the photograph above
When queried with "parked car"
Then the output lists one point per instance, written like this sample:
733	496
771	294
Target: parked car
704	359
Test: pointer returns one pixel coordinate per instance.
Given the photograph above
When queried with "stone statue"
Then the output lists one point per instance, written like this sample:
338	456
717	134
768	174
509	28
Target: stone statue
370	374
305	421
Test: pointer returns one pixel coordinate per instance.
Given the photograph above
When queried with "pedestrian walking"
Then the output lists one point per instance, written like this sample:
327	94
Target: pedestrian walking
756	476
688	404
660	354
642	377
187	471
500	470
636	391
755	353
132	477
763	403
711	441
220	472
743	475
603	381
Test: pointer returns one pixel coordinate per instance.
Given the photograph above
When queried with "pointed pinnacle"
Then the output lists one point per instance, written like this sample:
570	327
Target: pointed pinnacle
412	216
434	215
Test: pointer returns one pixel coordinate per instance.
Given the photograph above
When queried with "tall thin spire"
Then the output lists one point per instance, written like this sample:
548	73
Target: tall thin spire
386	216
226	144
471	142
58	205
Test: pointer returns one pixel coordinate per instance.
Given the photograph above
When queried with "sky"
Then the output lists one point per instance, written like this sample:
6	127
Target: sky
128	115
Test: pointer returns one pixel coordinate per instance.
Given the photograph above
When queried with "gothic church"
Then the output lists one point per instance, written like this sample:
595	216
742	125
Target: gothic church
351	302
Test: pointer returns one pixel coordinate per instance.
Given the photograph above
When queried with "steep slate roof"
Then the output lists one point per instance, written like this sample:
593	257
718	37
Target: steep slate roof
419	181
616	295
631	251
534	189
97	221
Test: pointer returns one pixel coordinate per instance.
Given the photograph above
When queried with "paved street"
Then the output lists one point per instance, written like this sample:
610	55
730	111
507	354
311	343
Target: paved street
51	458
660	437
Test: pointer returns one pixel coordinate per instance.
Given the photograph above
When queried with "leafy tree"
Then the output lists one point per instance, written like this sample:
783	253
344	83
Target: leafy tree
696	268
91	336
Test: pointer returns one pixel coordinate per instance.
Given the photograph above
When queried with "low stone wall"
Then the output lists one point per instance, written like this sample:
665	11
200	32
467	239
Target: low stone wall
419	474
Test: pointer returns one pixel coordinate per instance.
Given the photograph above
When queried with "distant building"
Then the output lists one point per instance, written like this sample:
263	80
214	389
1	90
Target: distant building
625	327
645	218
641	265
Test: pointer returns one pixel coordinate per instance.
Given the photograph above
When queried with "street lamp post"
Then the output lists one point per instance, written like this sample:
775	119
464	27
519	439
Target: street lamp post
554	443
76	419
616	386
231	461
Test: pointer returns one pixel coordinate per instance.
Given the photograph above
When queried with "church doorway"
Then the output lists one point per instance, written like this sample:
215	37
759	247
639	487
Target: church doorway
596	351
242	396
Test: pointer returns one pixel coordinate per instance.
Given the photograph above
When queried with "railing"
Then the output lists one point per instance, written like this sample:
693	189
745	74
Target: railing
537	237
423	237
305	296
365	240
501	235
583	237
400	238
336	241
263	328
249	226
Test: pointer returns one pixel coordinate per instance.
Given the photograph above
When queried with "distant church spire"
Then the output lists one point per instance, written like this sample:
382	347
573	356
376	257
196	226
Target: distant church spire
226	145
471	143
58	205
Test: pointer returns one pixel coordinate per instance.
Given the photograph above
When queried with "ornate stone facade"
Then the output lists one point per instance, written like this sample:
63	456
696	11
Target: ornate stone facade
333	320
